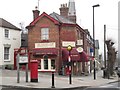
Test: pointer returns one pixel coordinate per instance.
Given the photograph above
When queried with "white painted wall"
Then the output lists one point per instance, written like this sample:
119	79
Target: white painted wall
1	49
14	41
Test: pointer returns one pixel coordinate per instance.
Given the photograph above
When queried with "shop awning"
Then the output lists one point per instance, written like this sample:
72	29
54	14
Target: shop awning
44	51
84	57
75	55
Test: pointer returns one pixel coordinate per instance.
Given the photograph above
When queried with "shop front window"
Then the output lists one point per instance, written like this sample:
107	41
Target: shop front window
39	64
53	64
46	64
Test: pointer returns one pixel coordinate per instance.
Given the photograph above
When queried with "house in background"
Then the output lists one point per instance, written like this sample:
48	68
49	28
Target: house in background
24	36
10	38
24	39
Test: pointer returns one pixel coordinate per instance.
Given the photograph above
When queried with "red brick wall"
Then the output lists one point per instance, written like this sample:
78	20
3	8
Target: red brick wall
34	35
68	33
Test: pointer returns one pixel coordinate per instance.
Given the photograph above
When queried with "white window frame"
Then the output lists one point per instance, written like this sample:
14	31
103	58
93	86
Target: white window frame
7	53
44	33
49	65
7	33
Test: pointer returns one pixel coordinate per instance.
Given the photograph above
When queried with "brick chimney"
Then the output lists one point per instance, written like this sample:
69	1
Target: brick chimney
64	10
35	13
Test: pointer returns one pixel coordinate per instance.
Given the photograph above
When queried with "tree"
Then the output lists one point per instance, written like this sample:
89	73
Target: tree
111	53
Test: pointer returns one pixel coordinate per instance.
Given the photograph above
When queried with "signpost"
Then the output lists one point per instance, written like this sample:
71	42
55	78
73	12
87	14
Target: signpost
22	60
69	48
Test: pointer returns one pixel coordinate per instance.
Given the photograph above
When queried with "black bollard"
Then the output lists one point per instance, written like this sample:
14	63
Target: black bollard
53	86
70	81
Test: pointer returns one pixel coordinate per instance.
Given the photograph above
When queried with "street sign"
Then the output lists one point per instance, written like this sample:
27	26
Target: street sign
23	59
91	50
80	49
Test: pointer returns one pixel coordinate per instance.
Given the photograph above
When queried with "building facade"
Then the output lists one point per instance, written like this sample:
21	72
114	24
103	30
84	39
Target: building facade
50	35
10	39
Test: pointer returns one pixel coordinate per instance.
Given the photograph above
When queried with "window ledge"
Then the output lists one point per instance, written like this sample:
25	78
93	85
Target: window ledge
44	40
6	60
7	38
41	70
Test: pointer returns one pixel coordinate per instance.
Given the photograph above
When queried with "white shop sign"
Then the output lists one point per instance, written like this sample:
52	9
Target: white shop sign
67	43
45	45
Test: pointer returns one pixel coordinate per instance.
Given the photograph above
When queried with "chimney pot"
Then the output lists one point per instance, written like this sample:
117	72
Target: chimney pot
36	13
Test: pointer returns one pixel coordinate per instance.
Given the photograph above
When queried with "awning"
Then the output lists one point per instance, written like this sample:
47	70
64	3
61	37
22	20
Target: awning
75	55
44	51
84	57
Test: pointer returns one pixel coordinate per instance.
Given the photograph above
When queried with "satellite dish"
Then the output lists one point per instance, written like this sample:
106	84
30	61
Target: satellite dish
80	49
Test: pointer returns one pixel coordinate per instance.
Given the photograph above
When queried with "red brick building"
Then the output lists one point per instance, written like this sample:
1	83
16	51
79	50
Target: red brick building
49	37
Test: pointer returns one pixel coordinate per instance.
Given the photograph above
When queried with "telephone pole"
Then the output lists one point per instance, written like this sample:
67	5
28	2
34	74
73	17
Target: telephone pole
105	46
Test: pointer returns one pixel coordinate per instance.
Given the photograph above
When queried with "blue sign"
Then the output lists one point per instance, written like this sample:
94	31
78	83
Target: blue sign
91	49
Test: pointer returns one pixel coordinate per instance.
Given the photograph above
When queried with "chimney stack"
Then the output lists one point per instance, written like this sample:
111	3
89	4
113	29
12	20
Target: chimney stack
64	10
35	13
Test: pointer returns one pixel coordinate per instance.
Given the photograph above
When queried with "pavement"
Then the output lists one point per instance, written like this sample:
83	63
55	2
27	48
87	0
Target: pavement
9	78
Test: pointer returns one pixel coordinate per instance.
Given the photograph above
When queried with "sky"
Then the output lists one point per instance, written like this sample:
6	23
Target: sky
20	11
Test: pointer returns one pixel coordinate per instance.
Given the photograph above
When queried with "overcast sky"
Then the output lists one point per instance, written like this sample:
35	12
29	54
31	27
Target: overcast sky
17	11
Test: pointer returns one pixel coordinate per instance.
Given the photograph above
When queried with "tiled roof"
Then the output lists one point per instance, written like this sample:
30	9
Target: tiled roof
6	24
42	15
60	18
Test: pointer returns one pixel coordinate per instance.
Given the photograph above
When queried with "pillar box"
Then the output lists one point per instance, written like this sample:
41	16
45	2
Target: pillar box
34	70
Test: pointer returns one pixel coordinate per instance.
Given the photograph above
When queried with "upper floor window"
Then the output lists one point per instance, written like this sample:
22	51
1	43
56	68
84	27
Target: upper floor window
44	33
78	34
6	33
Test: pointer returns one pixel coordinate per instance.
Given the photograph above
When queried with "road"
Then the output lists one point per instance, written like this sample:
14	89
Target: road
112	86
16	88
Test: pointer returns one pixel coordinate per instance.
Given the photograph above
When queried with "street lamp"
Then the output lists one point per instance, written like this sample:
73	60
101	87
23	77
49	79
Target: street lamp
97	5
69	48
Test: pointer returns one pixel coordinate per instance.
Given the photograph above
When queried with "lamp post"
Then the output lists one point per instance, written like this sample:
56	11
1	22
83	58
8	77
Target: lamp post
69	48
97	5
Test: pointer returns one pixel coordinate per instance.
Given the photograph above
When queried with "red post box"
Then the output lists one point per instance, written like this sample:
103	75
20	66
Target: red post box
34	70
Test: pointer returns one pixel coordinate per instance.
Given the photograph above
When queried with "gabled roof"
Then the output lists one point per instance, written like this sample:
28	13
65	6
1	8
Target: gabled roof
42	15
6	24
56	18
61	19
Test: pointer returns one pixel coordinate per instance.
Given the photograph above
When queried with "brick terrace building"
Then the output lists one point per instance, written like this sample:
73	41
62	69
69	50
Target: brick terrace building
49	36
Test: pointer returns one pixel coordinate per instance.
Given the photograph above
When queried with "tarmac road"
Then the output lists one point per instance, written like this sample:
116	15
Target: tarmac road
7	88
20	88
102	89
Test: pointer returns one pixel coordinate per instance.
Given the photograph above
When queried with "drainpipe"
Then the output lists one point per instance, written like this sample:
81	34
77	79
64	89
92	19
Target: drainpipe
60	50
